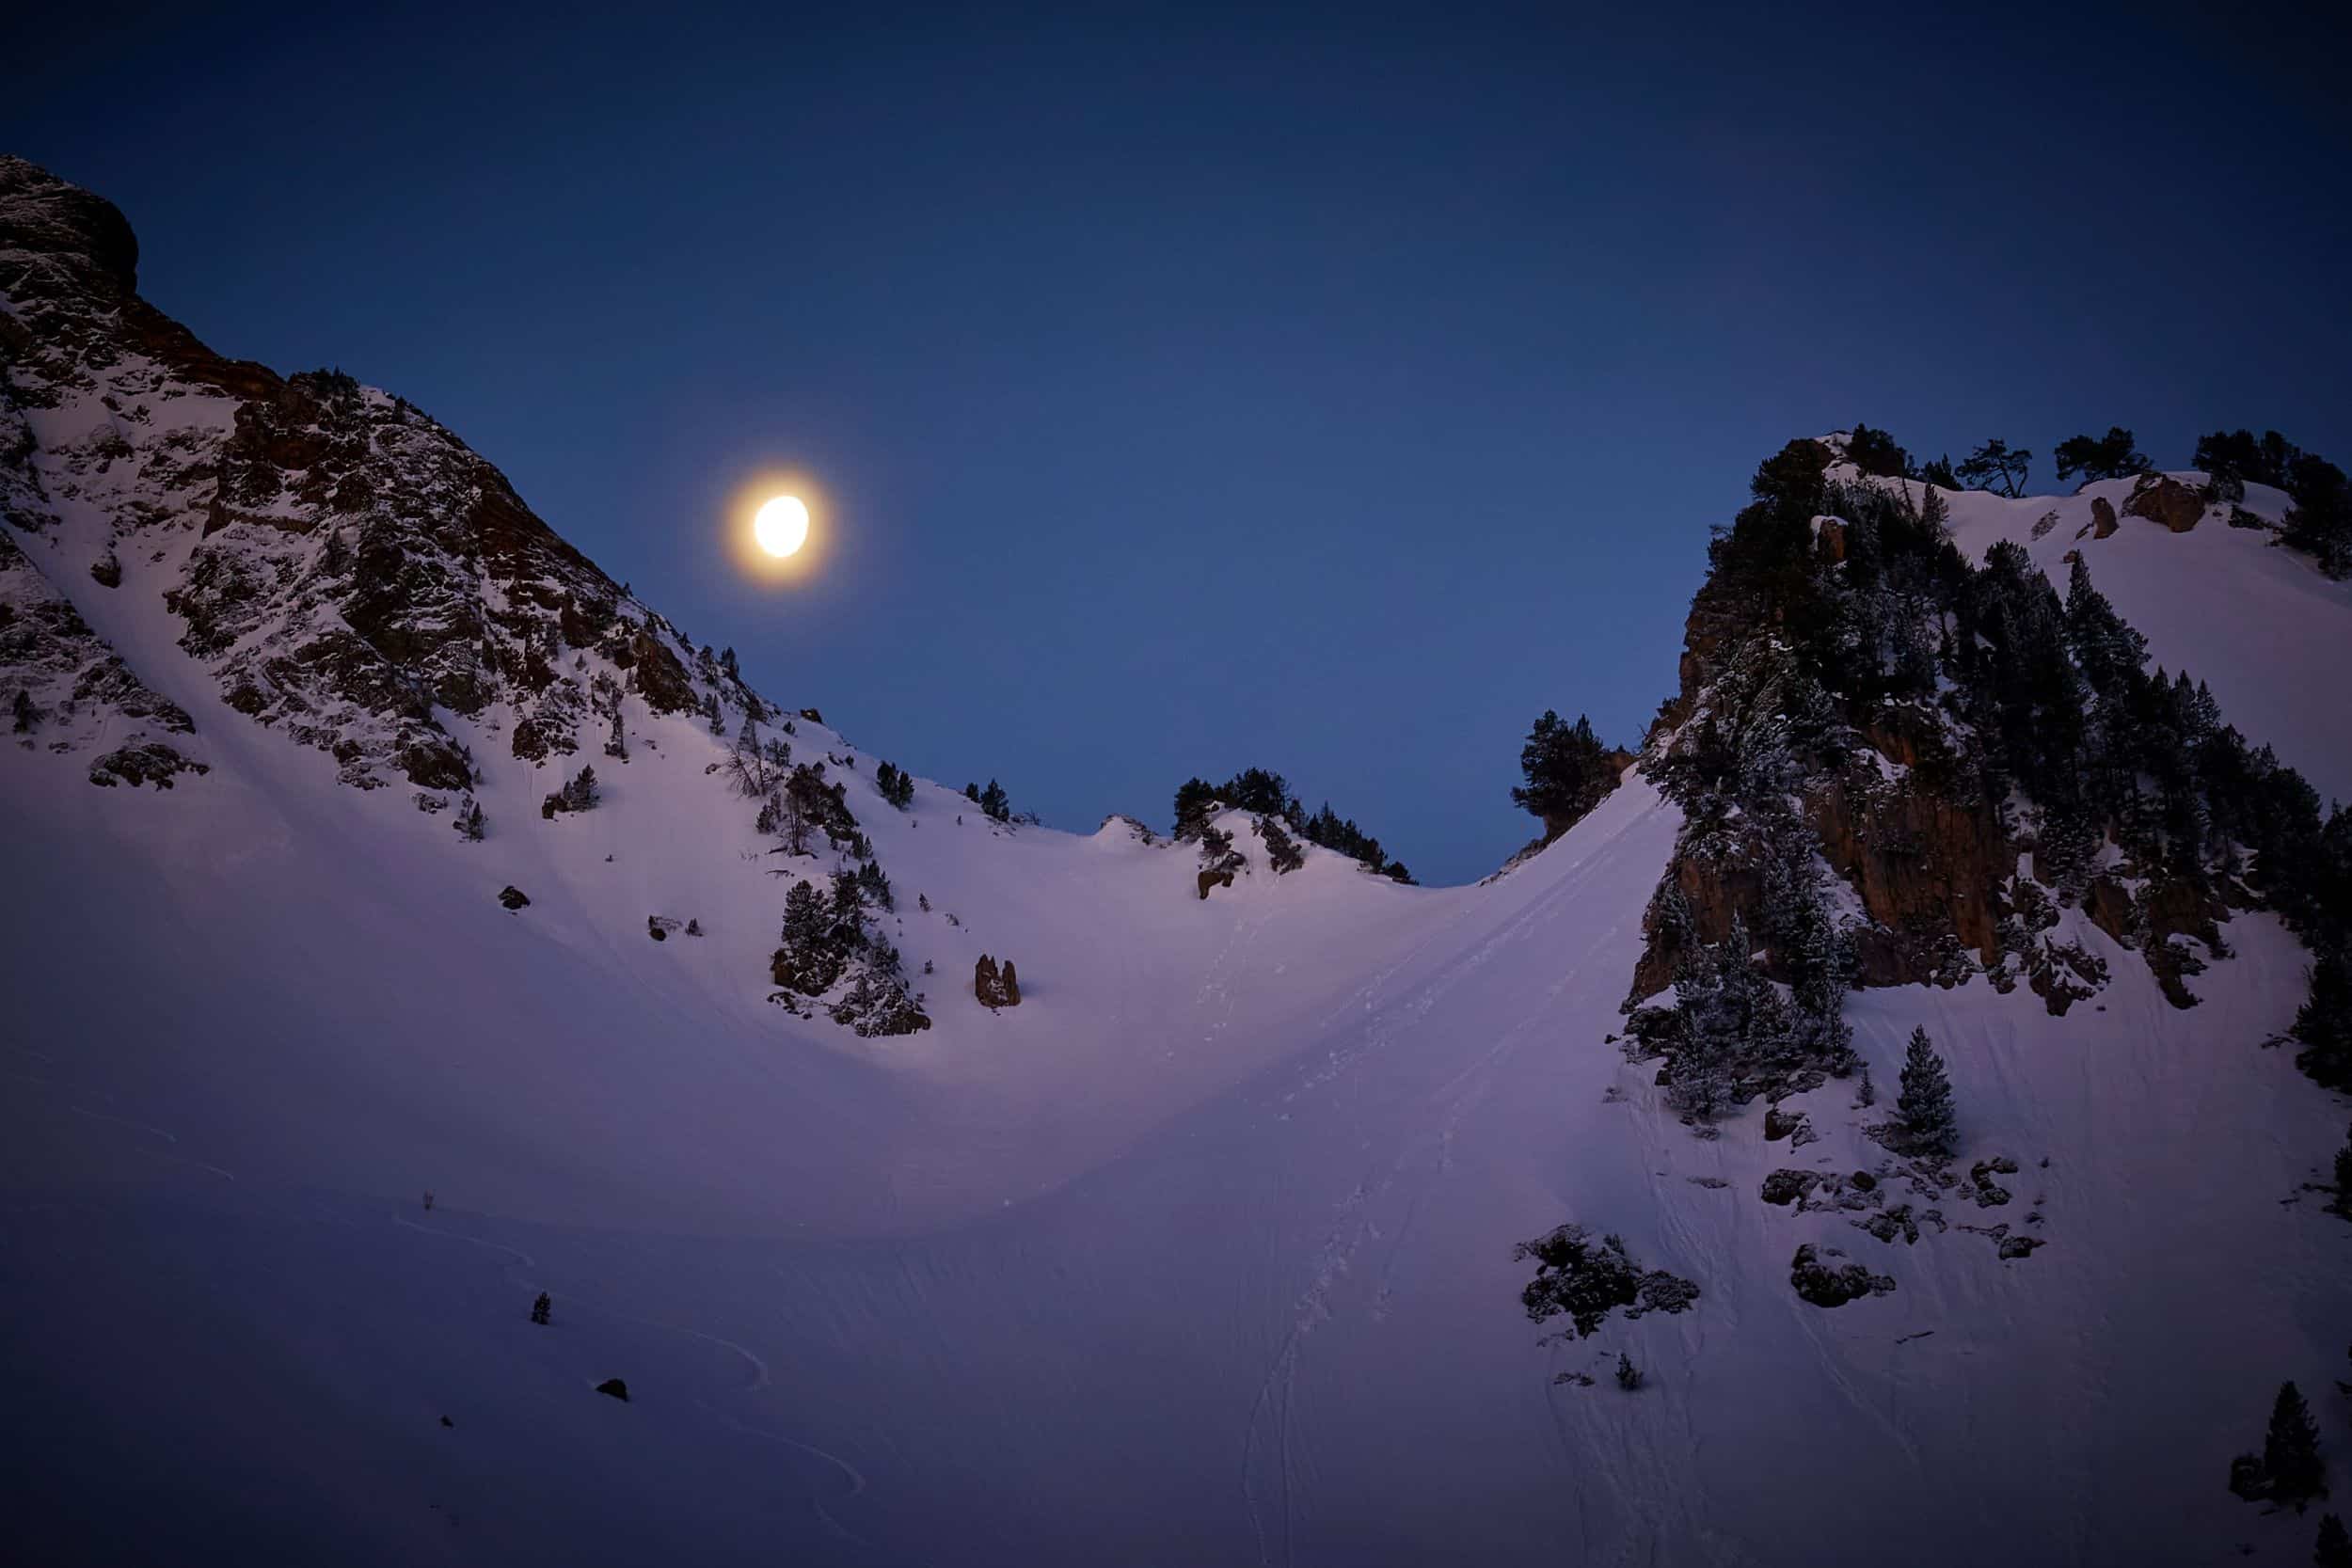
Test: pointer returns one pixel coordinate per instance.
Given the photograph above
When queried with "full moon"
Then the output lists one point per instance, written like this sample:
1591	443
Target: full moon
780	526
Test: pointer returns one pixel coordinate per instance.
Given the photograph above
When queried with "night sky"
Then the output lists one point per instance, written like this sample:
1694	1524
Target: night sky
1193	390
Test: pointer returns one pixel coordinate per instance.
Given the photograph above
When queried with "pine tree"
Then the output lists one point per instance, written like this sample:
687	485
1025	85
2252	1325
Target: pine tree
2291	1451
2334	1549
2108	456
1566	769
1997	465
1628	1375
995	803
540	1309
1924	1107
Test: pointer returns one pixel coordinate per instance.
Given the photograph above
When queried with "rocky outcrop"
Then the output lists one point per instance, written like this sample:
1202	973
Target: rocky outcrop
356	573
2102	523
2162	499
1825	1285
142	762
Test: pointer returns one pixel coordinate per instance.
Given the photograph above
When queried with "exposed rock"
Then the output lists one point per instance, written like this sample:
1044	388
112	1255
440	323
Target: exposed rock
356	568
1890	1224
513	897
2103	524
1214	877
988	984
615	1388
1779	1124
106	571
1829	535
2162	499
659	927
1009	986
142	762
1826	1286
1787	1186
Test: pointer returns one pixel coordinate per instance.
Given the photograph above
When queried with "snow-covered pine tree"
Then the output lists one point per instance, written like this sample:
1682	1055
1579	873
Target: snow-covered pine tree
1924	1108
2334	1549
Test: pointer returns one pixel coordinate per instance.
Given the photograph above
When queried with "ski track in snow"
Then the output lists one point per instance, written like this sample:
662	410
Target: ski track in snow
1352	1225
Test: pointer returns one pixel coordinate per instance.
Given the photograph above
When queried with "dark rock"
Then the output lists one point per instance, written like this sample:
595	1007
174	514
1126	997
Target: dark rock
1215	876
142	762
1787	1186
1864	1180
1779	1124
1824	1285
106	571
2102	523
615	1388
513	898
1010	986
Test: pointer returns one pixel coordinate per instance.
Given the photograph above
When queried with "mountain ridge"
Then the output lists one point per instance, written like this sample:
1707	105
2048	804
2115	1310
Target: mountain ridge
1205	1249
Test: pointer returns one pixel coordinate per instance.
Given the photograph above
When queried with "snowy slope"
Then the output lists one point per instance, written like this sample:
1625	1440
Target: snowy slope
1201	1254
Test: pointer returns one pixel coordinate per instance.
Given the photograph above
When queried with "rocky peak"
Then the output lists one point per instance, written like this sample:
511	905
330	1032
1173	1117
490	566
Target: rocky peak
342	565
57	238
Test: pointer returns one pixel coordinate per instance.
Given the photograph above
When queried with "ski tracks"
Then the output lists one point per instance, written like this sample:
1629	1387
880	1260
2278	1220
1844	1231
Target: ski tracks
1354	1222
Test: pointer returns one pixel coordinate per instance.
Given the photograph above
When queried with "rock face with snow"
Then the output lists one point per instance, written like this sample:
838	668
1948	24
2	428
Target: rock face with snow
346	569
1216	1248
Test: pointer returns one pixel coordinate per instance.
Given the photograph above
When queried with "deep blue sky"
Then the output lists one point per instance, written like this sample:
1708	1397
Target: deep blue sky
1195	390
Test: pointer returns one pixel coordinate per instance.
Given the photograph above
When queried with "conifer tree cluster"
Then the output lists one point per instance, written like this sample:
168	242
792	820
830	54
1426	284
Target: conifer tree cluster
2290	1469
827	939
1568	771
1281	851
468	822
2046	697
896	786
993	803
2320	519
1267	794
577	794
2113	455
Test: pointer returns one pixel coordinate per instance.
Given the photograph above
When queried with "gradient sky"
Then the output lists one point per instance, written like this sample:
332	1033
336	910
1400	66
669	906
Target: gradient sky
1194	391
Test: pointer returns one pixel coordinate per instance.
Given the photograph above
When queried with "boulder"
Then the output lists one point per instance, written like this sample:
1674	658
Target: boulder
615	1388
1787	1186
2166	500
1009	984
2102	517
1825	1285
513	898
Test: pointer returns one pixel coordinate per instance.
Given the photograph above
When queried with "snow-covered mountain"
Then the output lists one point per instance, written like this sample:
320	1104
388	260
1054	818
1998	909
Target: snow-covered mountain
1201	1253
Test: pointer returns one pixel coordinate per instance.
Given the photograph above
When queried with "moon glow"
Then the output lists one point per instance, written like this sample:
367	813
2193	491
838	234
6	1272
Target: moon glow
781	525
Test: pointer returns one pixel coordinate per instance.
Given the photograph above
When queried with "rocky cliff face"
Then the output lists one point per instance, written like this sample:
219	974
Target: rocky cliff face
344	567
1945	871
